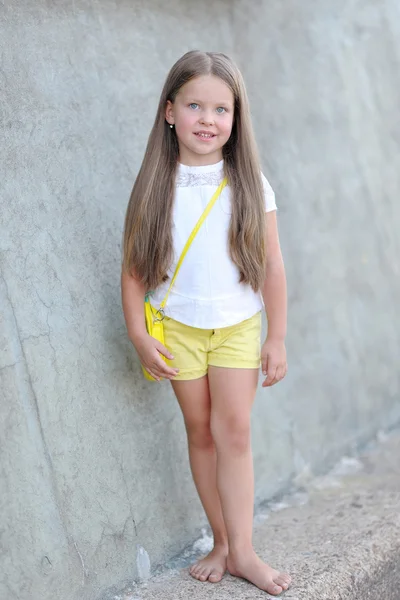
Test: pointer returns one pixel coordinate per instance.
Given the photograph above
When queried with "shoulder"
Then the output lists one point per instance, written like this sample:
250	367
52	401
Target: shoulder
266	185
269	194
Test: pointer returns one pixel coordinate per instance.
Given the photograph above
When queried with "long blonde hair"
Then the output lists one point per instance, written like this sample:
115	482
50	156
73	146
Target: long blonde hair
148	246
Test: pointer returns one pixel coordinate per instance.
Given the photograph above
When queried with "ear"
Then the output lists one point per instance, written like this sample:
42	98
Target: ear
169	113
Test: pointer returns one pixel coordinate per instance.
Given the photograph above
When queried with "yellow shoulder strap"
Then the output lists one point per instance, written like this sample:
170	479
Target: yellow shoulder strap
192	236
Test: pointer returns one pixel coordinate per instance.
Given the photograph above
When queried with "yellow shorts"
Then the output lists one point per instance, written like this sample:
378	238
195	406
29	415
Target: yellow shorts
235	347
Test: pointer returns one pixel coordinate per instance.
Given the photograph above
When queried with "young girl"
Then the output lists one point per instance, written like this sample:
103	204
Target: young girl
202	133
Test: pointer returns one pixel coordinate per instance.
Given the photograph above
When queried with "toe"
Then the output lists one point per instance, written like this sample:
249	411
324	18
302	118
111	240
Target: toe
204	575
282	581
286	584
215	576
274	589
196	572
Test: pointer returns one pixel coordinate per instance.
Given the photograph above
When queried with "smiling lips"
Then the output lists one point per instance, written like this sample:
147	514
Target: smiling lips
204	135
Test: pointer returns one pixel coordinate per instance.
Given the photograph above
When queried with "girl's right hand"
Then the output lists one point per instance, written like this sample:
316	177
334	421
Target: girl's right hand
149	351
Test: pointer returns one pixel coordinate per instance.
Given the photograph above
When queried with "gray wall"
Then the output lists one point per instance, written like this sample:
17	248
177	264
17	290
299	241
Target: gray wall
93	458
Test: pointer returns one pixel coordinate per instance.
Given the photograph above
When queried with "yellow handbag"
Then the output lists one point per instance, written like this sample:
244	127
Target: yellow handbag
154	317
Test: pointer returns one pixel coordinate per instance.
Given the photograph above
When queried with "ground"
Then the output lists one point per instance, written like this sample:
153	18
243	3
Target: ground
338	535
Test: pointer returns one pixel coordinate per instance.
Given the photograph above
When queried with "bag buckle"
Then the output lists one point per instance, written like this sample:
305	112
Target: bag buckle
158	315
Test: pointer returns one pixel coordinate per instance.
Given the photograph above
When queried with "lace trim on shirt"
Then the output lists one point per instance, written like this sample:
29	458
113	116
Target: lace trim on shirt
196	179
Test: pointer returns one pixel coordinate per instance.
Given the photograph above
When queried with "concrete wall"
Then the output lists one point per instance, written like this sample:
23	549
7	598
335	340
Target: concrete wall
93	458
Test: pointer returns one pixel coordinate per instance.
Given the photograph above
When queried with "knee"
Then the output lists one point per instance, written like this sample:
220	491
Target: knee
231	433
199	434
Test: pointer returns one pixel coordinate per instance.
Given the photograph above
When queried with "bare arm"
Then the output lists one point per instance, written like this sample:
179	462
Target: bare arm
274	289
273	355
133	292
148	349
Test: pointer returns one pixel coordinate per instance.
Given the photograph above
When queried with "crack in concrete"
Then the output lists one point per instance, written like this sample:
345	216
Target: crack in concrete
36	410
48	334
128	498
48	306
115	535
54	361
33	337
85	572
9	366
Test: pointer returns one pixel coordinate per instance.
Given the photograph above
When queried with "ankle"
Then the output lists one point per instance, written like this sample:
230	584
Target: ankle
240	549
221	542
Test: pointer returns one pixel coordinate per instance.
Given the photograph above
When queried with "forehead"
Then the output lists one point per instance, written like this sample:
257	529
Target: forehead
207	88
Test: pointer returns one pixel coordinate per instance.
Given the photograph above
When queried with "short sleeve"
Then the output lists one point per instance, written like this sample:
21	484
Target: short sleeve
269	195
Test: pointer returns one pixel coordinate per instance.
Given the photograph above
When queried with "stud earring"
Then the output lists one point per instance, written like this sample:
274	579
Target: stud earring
171	126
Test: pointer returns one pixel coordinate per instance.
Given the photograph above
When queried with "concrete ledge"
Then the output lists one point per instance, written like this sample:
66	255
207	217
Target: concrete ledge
339	537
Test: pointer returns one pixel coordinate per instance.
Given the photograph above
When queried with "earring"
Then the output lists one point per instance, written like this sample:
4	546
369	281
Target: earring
171	126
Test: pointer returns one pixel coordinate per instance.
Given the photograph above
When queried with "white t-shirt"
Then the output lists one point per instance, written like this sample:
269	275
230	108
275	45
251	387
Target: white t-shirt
207	293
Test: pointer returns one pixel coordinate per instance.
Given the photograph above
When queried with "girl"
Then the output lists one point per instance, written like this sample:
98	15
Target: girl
202	133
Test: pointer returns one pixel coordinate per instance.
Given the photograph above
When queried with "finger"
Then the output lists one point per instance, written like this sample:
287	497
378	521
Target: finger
158	364
271	374
280	373
283	372
264	364
163	350
152	374
168	374
267	382
163	370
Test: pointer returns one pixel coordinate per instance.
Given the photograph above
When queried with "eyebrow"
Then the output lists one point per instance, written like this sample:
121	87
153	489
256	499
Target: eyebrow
194	101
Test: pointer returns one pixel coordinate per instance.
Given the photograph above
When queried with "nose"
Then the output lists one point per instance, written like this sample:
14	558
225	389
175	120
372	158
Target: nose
206	118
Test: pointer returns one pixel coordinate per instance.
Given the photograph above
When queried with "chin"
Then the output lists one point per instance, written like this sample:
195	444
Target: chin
207	150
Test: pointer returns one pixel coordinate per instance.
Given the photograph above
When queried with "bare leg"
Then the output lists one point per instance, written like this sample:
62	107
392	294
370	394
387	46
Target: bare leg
194	400
232	395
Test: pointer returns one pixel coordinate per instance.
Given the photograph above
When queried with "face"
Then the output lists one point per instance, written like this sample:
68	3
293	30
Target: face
202	115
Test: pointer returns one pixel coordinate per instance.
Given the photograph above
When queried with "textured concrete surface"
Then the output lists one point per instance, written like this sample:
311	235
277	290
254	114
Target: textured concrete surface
324	80
95	484
338	535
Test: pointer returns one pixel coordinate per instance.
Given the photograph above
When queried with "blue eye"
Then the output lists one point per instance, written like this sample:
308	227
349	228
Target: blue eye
193	105
221	110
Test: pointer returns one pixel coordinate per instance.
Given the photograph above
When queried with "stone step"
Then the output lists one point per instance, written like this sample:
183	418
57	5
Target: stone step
338	536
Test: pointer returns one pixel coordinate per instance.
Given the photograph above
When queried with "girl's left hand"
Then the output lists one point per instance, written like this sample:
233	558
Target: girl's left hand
273	361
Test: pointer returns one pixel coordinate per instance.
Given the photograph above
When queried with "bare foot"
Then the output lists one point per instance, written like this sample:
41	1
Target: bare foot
211	568
249	566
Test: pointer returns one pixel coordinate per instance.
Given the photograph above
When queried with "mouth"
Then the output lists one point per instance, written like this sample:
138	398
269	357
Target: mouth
206	136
